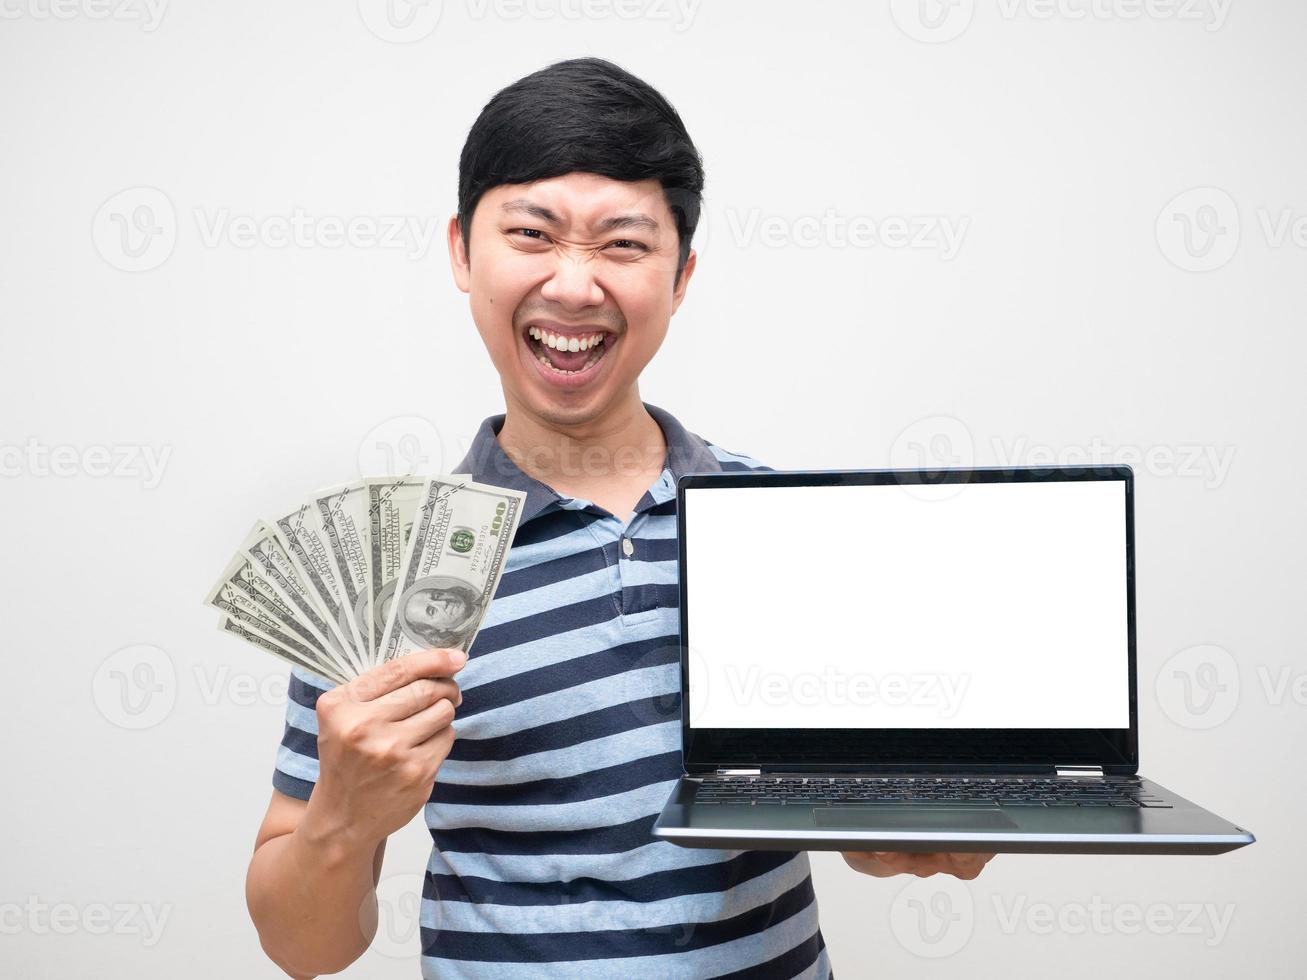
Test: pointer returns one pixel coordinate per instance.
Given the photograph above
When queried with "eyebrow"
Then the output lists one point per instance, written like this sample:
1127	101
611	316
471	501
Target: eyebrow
635	220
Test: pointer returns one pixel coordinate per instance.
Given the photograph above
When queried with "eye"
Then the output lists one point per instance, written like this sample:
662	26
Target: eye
534	234
630	245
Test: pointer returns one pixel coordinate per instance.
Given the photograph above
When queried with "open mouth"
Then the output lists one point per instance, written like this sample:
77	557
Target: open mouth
568	354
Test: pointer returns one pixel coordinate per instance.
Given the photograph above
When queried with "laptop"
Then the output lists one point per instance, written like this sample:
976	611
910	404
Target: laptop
916	660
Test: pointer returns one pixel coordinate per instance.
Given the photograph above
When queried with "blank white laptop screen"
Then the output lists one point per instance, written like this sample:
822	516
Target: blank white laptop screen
982	605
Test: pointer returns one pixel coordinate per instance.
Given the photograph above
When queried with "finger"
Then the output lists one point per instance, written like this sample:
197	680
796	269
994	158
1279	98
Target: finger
886	863
870	862
420	727
418	696
394	674
930	863
968	865
923	864
440	743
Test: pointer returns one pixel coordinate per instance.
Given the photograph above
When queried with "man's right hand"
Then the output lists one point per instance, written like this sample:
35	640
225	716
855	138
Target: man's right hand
381	740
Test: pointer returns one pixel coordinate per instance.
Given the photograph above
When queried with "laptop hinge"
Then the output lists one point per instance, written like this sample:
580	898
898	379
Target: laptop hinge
740	772
1079	770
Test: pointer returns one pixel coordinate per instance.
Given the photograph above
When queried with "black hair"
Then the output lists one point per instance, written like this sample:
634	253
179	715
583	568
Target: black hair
582	115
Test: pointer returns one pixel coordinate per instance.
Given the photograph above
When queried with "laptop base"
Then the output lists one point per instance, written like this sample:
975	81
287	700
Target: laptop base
1181	827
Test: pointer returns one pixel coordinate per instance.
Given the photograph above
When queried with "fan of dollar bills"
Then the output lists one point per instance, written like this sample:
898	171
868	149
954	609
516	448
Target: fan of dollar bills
368	571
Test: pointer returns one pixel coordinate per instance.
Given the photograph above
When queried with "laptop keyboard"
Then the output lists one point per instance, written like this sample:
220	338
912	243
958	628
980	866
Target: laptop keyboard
944	790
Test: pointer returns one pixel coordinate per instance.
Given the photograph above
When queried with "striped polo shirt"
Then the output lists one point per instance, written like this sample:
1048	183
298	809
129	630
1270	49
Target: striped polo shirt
568	745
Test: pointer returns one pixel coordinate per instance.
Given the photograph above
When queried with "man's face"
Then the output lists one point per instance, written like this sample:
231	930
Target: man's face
438	610
556	264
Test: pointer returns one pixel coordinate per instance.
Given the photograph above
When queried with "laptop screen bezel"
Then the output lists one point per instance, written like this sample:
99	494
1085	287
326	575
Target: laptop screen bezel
933	750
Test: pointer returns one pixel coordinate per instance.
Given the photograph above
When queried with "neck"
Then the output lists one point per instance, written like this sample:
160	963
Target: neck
624	441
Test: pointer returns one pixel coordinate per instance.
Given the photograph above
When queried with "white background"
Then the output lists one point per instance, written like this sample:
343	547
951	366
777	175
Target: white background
1074	317
988	605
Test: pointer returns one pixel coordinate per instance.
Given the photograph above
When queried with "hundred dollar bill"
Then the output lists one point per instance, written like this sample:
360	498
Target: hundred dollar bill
241	573
301	533
392	504
232	601
452	564
252	635
264	548
343	512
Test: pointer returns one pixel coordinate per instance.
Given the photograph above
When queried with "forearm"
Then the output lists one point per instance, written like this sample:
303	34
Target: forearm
312	896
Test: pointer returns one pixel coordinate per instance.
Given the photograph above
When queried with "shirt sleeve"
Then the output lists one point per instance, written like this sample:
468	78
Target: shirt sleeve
735	462
296	771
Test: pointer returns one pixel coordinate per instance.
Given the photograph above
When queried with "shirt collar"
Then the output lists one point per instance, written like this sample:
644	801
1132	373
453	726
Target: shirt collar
486	461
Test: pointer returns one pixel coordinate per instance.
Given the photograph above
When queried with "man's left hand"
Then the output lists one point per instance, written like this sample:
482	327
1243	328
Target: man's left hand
885	864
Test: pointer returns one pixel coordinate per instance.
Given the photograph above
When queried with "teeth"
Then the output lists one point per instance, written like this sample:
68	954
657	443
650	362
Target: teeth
559	342
590	361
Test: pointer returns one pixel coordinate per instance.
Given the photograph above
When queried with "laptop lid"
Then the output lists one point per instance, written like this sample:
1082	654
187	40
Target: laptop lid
977	619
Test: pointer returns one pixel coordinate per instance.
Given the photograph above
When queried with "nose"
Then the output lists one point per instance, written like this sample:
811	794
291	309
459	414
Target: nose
573	283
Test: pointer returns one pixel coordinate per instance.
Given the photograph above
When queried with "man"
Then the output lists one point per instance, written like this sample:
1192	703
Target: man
579	192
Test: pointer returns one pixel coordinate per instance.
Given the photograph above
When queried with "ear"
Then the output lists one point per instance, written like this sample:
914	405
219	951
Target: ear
458	257
678	293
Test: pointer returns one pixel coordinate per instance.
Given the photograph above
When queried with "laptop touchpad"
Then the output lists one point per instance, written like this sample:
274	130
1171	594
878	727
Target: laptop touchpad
912	818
